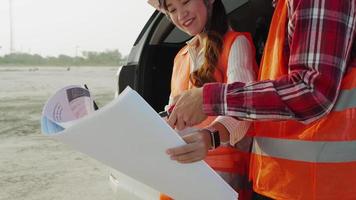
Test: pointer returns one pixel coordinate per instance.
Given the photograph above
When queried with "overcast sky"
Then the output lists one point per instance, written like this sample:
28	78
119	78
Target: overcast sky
53	27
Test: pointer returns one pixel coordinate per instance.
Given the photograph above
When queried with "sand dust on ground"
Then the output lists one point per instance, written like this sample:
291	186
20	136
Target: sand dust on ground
33	166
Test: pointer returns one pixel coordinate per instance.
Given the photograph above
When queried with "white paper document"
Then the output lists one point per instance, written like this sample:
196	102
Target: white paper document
129	136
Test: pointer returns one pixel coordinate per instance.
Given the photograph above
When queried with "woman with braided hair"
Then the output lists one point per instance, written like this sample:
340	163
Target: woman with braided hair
214	54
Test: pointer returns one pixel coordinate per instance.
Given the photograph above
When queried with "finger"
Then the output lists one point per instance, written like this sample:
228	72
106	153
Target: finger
180	123
188	123
172	119
182	149
190	157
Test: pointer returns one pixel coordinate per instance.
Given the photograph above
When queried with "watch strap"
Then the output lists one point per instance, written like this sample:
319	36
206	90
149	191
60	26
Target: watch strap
214	136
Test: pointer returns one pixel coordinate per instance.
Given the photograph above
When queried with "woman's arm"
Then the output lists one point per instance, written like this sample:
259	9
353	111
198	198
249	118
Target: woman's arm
240	68
241	65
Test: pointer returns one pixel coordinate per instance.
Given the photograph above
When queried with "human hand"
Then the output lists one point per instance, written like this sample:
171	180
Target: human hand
188	109
174	99
196	149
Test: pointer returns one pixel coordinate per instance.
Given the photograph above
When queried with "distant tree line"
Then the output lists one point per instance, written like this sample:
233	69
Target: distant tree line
89	58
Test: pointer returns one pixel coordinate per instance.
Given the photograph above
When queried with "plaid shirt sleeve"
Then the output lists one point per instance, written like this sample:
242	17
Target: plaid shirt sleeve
320	38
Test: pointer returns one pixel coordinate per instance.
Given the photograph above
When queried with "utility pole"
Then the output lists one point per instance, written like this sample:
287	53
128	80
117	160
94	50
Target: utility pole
11	28
76	50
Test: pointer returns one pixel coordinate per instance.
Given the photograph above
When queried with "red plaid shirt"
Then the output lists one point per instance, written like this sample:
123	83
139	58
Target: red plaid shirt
321	47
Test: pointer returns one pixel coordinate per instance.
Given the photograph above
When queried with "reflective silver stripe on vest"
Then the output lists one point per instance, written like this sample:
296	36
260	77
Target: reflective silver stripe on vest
321	152
347	99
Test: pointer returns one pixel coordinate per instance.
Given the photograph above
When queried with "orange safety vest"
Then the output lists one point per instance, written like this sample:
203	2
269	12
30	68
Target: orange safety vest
291	160
223	159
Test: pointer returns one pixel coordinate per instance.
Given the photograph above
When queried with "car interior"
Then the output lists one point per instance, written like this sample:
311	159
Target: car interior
162	41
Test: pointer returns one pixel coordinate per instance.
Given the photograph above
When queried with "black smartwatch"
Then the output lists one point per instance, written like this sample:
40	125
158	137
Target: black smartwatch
214	136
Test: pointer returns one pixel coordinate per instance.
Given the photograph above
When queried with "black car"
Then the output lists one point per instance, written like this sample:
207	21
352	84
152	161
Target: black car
150	62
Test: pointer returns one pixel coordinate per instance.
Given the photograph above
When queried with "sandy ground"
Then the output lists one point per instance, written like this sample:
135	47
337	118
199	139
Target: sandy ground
33	166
